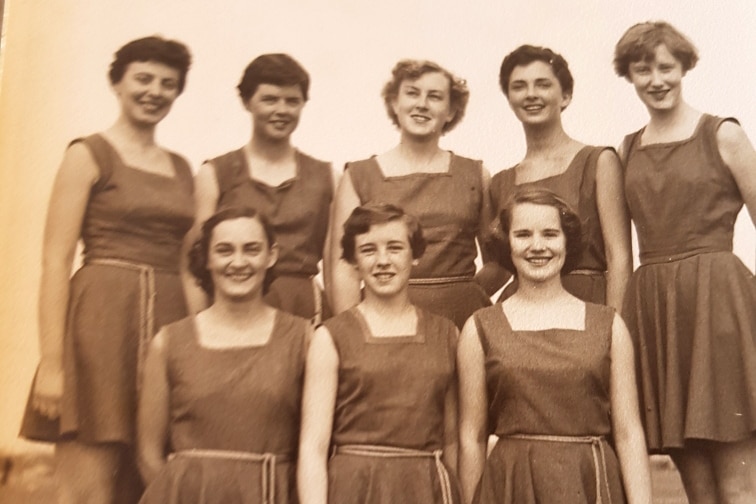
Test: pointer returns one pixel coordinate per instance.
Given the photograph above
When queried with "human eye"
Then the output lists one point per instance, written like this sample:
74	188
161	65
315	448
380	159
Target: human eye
367	249
223	249
143	78
640	69
552	233
520	233
170	84
543	83
293	101
396	247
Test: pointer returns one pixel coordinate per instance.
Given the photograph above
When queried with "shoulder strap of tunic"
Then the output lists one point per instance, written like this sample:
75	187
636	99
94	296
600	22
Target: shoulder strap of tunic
227	168
103	155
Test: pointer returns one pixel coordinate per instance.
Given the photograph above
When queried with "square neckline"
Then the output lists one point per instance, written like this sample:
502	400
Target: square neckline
121	161
548	329
640	145
369	337
284	184
235	348
446	173
570	166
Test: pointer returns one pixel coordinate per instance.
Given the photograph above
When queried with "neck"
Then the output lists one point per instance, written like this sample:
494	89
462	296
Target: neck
661	120
272	150
544	138
418	149
540	292
132	133
393	306
238	313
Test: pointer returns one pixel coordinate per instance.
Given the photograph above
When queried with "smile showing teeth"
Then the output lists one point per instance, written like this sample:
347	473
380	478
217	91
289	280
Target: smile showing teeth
384	277
420	118
239	277
539	261
533	108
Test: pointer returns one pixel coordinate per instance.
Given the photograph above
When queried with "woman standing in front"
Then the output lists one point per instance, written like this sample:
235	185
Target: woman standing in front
446	192
291	188
691	305
130	202
551	375
538	85
379	414
223	388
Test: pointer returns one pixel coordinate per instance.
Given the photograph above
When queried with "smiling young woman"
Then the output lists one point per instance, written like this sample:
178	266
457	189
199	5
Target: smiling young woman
447	193
691	305
293	189
130	202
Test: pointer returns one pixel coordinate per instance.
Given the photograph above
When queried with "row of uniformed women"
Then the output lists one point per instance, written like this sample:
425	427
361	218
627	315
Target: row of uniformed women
689	307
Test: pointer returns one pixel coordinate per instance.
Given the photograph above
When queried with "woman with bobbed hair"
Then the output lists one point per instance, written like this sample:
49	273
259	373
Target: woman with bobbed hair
538	85
691	305
223	388
446	192
130	201
268	173
379	412
551	375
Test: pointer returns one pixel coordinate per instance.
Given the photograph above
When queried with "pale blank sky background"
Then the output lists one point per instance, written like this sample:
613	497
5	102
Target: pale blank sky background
54	88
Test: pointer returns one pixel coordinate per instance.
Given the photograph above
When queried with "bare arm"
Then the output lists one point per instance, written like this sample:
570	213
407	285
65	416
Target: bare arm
626	424
615	226
153	412
68	203
738	154
318	403
492	276
451	430
205	203
342	282
473	410
328	249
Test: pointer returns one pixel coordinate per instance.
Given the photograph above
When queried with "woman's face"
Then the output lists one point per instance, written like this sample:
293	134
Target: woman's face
534	93
147	91
275	111
422	106
238	258
539	246
658	81
383	258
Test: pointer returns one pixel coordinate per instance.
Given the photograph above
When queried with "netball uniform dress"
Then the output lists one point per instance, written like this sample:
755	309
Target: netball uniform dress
691	305
388	428
298	210
448	206
127	288
548	397
577	186
234	418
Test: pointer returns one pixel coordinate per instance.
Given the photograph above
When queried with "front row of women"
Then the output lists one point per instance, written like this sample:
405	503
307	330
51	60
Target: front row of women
393	405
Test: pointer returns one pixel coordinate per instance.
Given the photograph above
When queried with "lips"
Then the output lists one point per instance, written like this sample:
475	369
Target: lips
420	118
384	277
538	261
659	95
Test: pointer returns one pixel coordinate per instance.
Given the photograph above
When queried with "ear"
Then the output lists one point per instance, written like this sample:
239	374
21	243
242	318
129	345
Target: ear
566	100
273	255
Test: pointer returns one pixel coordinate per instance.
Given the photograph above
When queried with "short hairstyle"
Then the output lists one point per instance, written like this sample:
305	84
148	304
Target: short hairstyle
410	69
527	54
640	41
278	69
568	219
199	253
168	52
364	217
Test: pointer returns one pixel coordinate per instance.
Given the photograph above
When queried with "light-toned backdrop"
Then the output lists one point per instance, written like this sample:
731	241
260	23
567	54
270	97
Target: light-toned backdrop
54	88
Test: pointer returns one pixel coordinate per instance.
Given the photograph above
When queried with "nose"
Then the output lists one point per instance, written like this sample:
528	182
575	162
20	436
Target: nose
537	243
382	257
238	259
656	78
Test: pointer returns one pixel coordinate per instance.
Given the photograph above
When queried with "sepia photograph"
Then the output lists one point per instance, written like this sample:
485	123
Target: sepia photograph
407	252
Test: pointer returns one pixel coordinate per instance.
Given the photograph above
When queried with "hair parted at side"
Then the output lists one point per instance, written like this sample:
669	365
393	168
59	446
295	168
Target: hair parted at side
199	253
168	52
640	41
569	220
527	54
364	217
278	69
410	69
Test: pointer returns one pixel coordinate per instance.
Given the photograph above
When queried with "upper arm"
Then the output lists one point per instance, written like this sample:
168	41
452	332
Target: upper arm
738	154
486	214
472	395
611	204
77	174
320	388
345	201
206	193
623	387
154	400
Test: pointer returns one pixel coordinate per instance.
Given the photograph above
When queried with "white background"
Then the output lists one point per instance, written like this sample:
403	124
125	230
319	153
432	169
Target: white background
54	88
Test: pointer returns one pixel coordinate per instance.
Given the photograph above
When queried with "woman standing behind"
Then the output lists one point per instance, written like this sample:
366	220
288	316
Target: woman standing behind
691	305
538	85
223	388
380	389
552	375
446	192
291	188
130	201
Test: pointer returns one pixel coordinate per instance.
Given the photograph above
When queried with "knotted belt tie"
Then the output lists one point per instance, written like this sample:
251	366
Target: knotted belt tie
597	449
379	451
267	461
146	306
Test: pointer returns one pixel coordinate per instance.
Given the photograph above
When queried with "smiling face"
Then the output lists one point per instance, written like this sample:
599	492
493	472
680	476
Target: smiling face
534	93
538	244
239	255
147	91
383	258
422	106
658	81
275	110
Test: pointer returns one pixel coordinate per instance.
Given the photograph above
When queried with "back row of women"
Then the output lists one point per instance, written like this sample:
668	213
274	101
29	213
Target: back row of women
230	398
